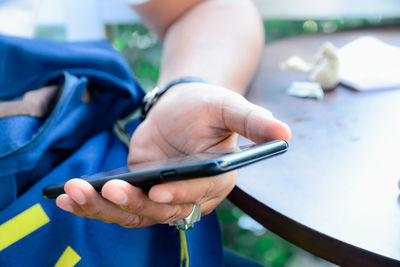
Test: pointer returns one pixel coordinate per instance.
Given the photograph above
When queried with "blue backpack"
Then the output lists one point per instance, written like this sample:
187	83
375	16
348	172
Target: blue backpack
78	91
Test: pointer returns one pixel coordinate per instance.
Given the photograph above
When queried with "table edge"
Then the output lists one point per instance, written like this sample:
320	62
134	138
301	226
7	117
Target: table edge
311	240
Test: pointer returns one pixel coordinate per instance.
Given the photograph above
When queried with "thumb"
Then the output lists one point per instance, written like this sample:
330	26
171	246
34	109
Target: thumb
251	121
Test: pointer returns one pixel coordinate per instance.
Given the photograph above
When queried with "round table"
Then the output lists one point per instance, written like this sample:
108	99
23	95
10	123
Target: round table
335	192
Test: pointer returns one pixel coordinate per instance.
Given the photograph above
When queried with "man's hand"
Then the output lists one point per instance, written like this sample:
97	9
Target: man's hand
189	118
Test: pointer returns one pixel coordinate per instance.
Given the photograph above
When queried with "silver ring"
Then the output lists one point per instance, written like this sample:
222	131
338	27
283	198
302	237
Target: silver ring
187	223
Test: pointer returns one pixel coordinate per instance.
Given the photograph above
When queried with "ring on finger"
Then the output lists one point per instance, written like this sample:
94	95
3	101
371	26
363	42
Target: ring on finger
187	223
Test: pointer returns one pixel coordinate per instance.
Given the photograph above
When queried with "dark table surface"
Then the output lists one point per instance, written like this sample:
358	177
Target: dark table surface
335	192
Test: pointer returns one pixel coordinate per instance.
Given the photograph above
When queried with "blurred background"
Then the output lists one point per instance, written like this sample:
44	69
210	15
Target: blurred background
93	19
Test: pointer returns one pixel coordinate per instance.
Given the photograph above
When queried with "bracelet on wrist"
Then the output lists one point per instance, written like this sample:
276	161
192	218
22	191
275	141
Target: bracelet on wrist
151	97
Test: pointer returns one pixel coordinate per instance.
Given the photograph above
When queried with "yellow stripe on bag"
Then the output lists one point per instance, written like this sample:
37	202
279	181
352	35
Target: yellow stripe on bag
22	225
68	259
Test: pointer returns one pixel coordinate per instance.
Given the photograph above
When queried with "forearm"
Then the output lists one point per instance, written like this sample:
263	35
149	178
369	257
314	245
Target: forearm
219	40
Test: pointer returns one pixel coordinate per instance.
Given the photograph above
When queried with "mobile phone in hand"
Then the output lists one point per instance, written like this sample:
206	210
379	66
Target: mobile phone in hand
211	163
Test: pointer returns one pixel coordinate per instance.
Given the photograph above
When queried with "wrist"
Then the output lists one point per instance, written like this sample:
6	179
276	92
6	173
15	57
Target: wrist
151	98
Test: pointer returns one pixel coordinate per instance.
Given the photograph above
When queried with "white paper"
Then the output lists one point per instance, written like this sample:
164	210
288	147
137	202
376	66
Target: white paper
370	64
306	90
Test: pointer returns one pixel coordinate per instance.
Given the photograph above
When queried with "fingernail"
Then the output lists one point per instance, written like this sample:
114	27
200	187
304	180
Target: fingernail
119	197
164	197
62	203
77	196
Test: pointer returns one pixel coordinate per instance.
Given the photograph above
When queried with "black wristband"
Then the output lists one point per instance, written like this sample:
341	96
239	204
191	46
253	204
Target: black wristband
151	97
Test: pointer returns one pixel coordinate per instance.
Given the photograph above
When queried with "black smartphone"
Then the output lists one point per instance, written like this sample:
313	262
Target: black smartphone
146	174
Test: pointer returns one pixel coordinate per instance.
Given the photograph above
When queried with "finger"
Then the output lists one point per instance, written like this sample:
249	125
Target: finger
196	191
134	200
209	206
64	202
93	206
249	120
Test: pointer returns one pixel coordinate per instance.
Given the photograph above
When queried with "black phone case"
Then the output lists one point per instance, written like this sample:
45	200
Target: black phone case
146	179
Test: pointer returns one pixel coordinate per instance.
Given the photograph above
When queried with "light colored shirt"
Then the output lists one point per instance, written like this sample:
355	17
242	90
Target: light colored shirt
83	20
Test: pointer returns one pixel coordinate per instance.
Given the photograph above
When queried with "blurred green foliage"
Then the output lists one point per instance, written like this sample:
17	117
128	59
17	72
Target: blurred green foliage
250	240
55	33
140	48
279	28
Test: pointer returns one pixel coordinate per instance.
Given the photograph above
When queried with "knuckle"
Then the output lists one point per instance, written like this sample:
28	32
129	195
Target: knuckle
92	211
208	193
173	215
136	206
131	221
246	123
